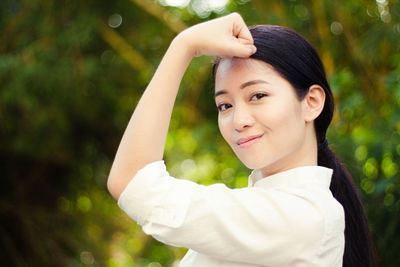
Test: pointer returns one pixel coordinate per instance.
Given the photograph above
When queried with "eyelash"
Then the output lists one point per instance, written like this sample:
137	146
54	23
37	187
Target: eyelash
222	105
260	95
257	95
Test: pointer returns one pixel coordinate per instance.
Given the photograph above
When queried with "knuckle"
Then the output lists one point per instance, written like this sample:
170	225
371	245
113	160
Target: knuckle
236	15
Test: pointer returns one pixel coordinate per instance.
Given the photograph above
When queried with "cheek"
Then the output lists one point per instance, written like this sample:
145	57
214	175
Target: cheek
281	116
224	127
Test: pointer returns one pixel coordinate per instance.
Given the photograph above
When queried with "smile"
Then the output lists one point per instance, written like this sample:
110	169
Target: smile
246	142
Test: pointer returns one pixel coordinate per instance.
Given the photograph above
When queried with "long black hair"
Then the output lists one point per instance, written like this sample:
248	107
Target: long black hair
296	60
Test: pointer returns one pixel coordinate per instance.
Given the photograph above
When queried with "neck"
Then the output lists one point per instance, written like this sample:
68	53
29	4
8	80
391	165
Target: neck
305	155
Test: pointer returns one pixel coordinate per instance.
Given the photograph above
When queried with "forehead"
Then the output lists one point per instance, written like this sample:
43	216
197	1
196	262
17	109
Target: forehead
238	69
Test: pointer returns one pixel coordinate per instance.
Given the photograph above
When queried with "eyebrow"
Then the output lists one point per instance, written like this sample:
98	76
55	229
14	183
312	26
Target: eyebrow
246	84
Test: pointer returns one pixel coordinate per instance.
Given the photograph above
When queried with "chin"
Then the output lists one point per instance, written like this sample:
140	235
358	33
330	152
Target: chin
266	161
253	164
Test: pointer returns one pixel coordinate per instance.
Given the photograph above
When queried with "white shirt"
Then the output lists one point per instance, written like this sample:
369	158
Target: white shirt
286	219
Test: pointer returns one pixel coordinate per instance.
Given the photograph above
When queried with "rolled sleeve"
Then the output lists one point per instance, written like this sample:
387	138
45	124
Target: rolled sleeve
153	196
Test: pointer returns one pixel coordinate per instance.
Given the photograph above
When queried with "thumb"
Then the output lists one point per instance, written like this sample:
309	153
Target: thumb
243	50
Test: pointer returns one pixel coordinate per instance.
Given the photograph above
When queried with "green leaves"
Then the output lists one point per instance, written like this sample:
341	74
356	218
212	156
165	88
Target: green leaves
69	83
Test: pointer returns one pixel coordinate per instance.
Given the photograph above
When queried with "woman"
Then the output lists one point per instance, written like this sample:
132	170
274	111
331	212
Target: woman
274	107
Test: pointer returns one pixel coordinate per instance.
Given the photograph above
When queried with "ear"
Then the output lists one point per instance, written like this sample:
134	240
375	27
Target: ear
313	102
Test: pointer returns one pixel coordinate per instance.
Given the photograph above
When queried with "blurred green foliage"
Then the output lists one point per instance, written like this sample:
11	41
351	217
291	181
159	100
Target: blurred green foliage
71	73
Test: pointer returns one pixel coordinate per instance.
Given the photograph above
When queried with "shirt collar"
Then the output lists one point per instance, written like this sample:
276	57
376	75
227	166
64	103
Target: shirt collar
299	176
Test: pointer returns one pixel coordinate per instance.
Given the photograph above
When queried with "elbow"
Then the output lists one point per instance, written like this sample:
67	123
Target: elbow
113	187
119	179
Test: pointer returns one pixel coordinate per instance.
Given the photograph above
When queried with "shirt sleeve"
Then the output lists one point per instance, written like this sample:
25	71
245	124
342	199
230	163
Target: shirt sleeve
152	196
253	225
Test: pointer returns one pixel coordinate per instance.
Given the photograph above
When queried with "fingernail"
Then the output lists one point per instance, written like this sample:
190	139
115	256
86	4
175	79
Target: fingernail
254	49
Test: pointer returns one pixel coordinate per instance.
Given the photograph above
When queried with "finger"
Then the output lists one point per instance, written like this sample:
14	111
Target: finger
244	41
240	30
242	50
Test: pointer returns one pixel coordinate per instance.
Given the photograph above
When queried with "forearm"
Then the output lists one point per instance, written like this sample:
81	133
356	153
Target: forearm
144	138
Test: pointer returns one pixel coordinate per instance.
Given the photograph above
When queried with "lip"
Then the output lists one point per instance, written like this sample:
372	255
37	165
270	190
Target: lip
248	140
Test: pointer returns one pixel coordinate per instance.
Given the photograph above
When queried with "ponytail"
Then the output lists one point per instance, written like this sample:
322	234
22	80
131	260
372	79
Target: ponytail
359	249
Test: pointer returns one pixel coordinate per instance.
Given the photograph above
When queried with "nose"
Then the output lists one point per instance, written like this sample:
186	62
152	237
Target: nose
242	118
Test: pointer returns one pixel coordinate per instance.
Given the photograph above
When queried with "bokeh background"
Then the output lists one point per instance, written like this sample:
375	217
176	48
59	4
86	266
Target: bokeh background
72	71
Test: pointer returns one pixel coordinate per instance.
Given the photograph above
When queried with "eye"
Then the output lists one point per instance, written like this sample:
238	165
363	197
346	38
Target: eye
223	107
258	96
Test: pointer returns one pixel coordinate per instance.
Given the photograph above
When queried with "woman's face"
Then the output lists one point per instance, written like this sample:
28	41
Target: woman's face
260	115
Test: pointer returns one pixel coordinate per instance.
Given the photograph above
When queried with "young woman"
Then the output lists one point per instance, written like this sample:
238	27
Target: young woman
274	104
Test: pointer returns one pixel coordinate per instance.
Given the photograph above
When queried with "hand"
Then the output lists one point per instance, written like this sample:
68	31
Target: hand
225	37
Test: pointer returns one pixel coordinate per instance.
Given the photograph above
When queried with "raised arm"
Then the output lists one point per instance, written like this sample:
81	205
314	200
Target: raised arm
144	138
